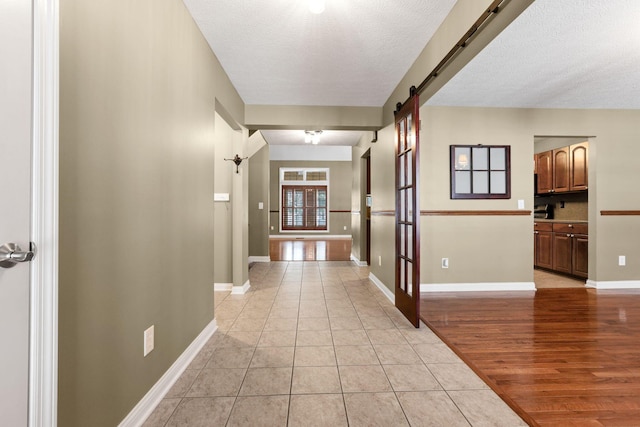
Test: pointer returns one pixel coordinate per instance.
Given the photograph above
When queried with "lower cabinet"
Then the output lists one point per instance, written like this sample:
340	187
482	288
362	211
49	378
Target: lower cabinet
562	247
580	256
562	252
543	245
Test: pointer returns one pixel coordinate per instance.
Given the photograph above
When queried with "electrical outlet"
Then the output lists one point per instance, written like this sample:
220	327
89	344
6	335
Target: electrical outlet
622	260
148	340
272	227
445	262
345	227
380	260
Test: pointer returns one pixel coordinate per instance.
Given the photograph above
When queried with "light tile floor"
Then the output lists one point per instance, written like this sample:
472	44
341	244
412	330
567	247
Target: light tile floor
547	280
317	344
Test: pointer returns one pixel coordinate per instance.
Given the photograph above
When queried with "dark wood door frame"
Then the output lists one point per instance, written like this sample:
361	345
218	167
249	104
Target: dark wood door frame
367	160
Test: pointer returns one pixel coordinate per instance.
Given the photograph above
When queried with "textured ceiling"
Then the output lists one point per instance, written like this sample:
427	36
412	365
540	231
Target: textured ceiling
276	52
557	54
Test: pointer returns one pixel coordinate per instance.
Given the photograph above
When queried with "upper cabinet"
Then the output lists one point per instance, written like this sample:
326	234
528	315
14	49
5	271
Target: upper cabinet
561	173
578	157
563	169
544	169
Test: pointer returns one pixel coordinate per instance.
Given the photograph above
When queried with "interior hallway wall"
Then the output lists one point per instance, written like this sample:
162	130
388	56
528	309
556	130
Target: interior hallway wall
383	206
358	245
259	193
138	85
223	212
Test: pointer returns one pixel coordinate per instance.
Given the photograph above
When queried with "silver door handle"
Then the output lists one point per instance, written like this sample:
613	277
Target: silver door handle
11	254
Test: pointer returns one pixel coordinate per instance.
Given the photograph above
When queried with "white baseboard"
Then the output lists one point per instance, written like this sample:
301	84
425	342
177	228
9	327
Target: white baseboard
386	291
241	290
259	259
310	236
477	287
145	407
222	287
613	284
462	287
358	262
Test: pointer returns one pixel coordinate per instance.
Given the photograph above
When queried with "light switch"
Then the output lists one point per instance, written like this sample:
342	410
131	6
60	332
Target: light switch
260	205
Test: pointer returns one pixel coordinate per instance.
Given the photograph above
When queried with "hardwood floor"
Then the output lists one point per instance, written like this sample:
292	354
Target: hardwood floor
310	249
558	357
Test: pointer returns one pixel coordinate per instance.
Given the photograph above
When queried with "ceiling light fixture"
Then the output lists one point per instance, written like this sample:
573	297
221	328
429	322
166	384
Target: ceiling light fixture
316	6
312	136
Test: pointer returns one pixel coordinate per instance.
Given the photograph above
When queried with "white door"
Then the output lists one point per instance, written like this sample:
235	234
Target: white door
15	172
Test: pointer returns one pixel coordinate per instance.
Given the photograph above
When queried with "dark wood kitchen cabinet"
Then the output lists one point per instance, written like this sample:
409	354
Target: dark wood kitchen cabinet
580	256
571	249
562	247
543	244
544	172
562	252
561	172
563	169
578	167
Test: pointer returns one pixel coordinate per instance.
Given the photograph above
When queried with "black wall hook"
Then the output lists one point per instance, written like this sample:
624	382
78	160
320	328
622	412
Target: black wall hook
237	160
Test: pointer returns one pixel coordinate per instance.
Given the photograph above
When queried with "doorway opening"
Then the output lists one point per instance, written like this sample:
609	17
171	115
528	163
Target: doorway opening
366	204
561	211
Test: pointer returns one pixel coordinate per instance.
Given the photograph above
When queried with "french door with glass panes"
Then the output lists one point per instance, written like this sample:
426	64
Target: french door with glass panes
407	289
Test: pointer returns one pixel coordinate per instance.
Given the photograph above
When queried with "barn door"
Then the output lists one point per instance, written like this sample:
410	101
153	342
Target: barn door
407	289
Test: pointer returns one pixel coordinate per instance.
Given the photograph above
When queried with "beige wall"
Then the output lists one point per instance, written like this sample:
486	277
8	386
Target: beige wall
612	183
259	193
383	194
358	208
240	209
223	211
500	249
138	88
340	176
312	117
